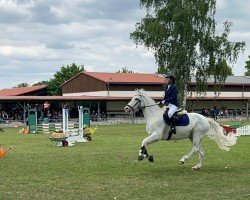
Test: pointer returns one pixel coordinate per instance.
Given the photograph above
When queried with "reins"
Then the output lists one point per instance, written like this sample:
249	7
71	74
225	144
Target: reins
150	105
138	100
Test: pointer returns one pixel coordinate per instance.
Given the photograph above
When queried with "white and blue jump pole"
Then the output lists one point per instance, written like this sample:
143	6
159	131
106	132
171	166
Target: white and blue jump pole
65	120
73	136
80	113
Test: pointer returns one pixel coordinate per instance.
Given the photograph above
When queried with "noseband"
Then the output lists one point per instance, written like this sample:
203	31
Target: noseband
132	107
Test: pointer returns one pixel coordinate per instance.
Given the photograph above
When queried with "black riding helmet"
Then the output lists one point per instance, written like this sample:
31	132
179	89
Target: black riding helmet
171	76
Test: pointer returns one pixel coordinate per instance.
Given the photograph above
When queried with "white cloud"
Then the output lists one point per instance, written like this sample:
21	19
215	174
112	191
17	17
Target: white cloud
10	51
38	37
221	4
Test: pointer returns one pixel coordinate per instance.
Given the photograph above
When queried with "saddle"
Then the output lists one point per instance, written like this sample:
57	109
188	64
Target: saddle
180	118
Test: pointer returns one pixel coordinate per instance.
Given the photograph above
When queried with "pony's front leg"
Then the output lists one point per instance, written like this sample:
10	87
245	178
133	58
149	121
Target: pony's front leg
149	140
143	153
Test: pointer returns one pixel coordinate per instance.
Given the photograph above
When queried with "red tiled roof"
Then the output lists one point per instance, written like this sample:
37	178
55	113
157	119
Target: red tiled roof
125	78
65	98
20	91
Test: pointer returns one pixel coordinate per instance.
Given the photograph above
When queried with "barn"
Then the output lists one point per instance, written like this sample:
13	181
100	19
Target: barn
234	94
115	89
110	92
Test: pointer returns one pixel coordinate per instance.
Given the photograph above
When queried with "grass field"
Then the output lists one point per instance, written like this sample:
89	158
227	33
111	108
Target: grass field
107	168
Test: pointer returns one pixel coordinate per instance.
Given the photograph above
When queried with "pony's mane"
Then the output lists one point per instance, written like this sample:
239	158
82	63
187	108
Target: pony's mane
143	93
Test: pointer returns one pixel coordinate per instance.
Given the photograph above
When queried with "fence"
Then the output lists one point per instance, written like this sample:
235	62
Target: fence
74	125
244	130
52	127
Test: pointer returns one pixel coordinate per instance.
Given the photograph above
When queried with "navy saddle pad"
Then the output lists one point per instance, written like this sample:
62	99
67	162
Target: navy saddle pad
182	120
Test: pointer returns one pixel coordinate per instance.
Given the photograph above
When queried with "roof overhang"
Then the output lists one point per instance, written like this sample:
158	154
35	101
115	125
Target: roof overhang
104	98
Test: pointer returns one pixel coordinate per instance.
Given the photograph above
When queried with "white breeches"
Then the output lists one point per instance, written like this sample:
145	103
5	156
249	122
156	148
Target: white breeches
172	109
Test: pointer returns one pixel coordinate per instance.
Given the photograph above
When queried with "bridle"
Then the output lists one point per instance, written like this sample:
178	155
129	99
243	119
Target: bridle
140	107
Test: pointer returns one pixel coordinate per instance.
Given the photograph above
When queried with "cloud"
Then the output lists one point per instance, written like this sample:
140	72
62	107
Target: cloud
59	45
236	12
37	37
11	13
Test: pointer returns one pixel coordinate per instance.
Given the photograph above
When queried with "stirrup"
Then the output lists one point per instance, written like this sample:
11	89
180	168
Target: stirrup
172	130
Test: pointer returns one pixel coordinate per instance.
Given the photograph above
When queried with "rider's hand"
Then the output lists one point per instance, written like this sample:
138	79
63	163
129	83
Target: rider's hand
164	108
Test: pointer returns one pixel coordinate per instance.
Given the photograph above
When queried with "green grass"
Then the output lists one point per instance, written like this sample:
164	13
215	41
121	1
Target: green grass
107	168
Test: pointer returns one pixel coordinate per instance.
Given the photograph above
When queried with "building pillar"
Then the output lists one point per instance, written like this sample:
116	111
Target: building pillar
247	110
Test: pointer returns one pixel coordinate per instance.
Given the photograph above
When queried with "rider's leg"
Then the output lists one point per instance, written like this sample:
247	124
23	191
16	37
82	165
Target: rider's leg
171	111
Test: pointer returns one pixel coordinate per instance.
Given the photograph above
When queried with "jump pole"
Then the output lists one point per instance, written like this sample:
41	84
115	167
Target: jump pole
80	113
65	120
73	137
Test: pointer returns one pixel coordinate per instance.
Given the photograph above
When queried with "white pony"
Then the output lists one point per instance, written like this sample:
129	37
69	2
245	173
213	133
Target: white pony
157	129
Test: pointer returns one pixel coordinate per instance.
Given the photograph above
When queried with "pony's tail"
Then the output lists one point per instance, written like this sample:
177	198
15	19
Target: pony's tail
216	133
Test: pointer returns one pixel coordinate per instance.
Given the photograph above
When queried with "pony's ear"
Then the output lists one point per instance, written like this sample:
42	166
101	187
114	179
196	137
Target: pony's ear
139	91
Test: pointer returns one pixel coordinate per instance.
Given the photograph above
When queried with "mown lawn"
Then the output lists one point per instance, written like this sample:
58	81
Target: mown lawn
107	168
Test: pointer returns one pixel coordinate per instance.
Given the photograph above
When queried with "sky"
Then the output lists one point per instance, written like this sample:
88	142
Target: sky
38	37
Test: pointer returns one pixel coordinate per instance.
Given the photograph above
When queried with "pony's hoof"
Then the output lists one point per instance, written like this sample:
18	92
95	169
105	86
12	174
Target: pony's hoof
151	158
140	158
182	162
196	168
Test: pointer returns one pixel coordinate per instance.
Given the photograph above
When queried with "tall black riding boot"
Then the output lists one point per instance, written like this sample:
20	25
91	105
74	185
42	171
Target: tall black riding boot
172	127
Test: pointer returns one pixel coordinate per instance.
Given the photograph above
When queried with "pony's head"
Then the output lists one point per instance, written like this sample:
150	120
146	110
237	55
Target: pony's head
136	103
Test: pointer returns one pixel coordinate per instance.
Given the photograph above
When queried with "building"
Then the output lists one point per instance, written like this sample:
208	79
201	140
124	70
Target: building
234	94
110	92
115	89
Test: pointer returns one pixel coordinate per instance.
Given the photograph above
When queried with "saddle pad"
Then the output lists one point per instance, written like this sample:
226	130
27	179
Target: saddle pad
182	120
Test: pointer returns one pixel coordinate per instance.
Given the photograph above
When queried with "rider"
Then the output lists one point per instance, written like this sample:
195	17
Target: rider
171	100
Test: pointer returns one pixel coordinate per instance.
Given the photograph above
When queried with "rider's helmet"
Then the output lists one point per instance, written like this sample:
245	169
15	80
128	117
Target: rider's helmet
171	76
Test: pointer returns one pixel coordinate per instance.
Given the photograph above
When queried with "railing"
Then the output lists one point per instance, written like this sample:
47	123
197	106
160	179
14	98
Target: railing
244	130
75	121
108	121
119	120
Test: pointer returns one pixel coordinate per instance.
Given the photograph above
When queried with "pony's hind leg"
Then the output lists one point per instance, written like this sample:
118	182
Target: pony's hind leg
187	156
201	153
196	146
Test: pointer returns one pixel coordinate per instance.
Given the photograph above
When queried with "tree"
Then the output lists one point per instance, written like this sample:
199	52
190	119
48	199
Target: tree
247	67
221	68
41	83
124	70
21	85
66	72
181	33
